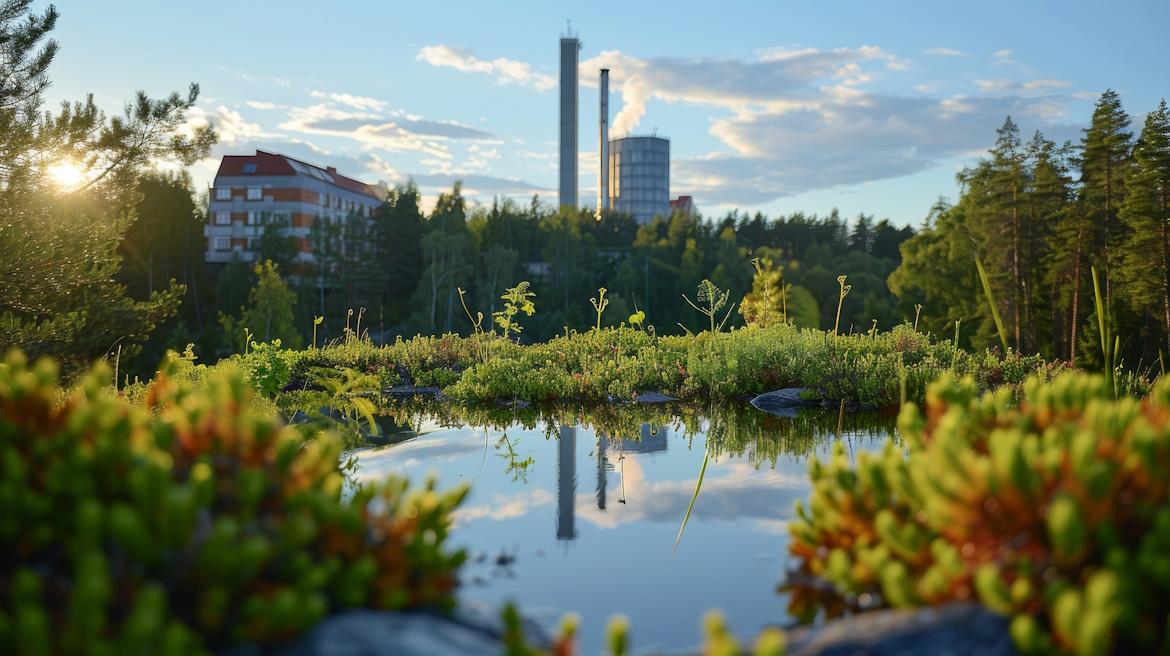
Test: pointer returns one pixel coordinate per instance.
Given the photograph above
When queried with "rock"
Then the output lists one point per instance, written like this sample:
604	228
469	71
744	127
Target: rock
783	401
474	629
408	391
653	397
370	633
960	629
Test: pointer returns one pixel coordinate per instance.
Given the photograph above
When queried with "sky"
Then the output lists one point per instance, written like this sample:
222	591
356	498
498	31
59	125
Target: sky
770	106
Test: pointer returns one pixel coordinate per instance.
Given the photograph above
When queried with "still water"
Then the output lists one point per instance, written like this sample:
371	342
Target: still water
573	513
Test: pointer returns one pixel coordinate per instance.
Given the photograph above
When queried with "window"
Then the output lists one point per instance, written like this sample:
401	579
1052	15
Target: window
252	218
223	193
249	168
223	218
326	203
252	244
223	243
255	193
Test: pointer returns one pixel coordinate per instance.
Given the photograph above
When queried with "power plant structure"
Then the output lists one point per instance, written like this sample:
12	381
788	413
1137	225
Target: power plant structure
603	144
633	171
570	47
639	176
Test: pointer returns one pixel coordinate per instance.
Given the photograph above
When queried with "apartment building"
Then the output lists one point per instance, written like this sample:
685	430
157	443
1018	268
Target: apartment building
252	191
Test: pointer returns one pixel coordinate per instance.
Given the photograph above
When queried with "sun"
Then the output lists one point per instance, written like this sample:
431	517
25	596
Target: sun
65	174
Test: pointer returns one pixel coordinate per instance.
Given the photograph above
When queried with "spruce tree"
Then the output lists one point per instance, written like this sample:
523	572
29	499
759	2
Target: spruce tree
1145	213
1105	153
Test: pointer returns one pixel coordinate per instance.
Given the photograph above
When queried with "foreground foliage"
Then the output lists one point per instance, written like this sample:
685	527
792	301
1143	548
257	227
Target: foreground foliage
1054	511
191	521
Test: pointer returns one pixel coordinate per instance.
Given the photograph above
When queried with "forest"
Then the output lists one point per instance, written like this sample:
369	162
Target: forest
1041	216
403	268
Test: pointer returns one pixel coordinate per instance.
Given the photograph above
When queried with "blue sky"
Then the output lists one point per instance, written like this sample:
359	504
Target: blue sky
776	106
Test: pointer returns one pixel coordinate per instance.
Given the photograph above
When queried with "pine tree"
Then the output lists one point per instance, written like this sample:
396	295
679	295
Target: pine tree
1145	212
1047	200
1105	150
58	247
1001	187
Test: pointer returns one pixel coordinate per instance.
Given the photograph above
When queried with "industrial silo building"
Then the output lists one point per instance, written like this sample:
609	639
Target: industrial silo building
639	177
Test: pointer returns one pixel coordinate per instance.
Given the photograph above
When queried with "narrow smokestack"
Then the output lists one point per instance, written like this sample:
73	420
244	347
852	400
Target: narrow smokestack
570	45
603	146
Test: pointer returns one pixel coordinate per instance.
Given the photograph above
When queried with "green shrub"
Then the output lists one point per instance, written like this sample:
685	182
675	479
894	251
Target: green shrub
1053	509
191	520
619	363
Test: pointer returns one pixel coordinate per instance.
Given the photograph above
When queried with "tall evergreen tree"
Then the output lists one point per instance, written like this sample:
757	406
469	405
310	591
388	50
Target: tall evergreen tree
1145	213
58	246
1105	150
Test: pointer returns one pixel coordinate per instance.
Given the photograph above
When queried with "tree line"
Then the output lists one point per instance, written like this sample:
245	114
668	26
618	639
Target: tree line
403	268
1043	217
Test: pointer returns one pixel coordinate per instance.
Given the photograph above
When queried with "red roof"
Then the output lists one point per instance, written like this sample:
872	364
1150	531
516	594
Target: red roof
273	164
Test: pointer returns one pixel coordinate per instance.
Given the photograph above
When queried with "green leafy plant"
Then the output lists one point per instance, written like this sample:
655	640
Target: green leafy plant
192	521
637	319
1052	508
518	299
712	299
766	304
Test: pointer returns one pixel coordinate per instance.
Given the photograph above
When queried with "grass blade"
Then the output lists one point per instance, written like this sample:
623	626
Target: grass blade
691	505
1003	340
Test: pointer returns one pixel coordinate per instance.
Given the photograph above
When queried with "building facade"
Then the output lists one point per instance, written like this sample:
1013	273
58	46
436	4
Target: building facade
639	177
684	205
251	192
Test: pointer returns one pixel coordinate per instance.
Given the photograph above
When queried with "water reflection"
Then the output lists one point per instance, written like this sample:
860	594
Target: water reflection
566	482
638	468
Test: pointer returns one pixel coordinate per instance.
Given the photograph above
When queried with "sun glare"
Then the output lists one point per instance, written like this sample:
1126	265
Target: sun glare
65	174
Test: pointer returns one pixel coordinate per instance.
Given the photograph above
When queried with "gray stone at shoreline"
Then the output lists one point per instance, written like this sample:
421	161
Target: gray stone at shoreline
653	397
784	401
474	628
959	629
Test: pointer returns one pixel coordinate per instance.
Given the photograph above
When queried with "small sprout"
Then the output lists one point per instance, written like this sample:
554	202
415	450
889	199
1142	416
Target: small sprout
843	292
316	322
599	304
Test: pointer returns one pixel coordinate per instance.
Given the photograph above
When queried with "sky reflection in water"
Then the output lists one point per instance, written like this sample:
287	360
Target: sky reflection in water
591	518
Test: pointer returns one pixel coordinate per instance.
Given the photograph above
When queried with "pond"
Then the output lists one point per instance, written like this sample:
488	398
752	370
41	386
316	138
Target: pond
577	510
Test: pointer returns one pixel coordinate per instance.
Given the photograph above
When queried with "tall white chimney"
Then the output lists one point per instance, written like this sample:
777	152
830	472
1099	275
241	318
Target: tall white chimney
603	146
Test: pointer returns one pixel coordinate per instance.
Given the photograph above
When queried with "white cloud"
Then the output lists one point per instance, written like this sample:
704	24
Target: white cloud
1012	86
502	507
357	102
777	79
229	125
943	52
263	105
362	120
1002	54
781	153
507	71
